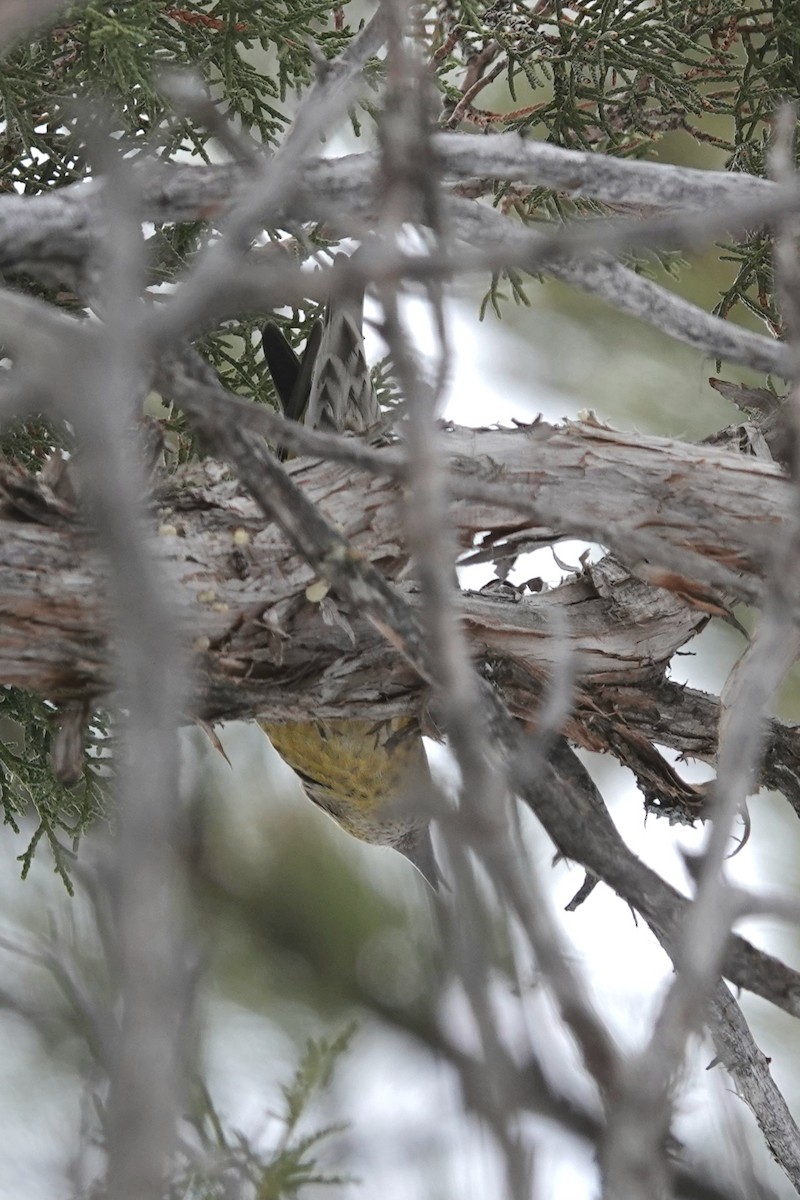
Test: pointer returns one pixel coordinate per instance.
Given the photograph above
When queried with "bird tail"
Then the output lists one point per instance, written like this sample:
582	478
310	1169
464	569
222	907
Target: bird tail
329	387
342	398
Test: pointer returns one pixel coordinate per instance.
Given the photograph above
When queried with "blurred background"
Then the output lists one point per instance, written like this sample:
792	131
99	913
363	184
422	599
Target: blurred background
302	933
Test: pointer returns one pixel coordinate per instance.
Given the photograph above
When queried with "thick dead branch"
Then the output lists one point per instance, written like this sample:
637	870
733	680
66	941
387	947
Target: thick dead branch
265	648
618	630
704	517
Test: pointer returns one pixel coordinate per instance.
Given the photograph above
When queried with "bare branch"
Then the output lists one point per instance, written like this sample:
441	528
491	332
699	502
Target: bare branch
99	391
49	230
749	1069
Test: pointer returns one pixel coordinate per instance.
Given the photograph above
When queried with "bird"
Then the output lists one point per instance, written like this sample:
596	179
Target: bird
361	772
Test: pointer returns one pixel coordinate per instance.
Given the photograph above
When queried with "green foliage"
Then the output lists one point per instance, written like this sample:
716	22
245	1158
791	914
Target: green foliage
618	78
614	77
611	77
115	50
313	1073
288	1162
28	785
386	388
29	442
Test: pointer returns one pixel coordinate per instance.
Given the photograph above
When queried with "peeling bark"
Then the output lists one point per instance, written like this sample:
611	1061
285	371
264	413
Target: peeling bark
271	642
